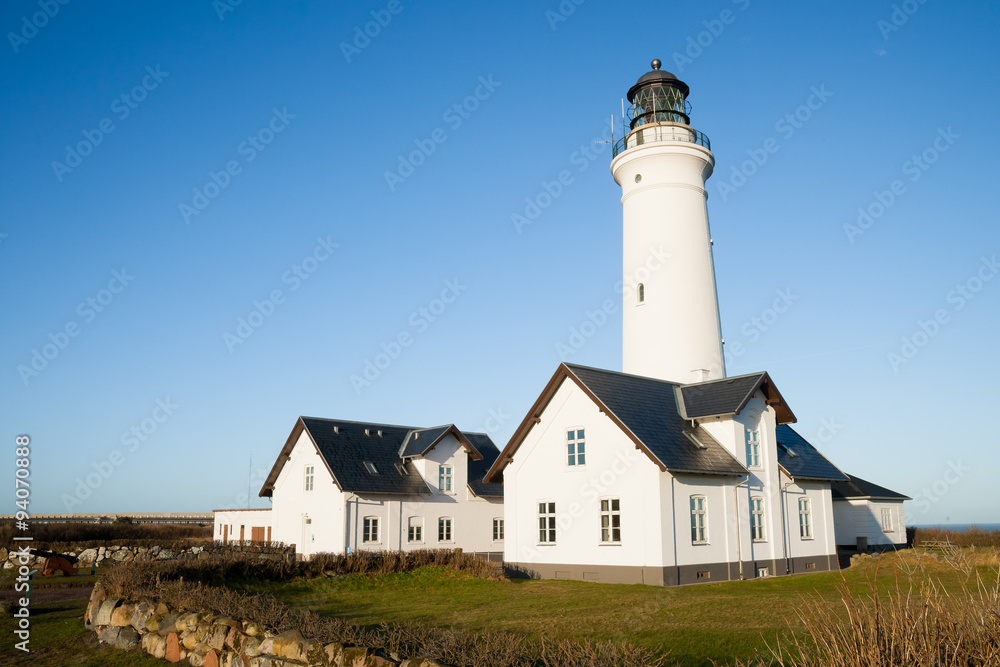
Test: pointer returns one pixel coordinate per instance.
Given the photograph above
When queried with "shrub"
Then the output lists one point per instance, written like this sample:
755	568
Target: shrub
64	536
974	537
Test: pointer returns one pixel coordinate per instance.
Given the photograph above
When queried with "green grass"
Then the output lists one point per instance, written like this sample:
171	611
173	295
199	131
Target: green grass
695	624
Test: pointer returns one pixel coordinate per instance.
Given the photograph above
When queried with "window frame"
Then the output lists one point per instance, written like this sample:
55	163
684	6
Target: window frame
752	440
758	531
415	530
547	534
575	458
697	512
309	478
805	513
608	531
498	529
370	467
446	476
446	524
371	530
887	512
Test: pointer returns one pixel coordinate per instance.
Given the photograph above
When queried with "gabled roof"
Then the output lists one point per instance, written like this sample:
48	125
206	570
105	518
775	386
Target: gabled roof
345	447
856	488
477	469
728	396
801	460
646	410
419	441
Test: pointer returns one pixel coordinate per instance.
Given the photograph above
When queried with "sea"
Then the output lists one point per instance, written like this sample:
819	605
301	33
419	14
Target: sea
961	527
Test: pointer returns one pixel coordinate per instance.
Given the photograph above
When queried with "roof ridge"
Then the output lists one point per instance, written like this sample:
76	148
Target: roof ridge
351	421
623	374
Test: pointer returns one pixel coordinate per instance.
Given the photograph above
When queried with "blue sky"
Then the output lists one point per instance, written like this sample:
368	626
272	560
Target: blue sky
185	167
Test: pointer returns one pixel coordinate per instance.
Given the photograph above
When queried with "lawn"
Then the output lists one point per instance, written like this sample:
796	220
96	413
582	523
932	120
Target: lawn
695	624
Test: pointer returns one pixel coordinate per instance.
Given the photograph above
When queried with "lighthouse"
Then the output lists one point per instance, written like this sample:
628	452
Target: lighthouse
671	327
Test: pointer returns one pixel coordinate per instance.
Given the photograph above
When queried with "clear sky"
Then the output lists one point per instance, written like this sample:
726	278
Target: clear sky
213	217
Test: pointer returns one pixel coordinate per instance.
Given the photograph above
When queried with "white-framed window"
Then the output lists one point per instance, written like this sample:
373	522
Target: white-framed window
611	521
757	519
444	479
805	519
640	294
415	529
444	529
370	467
699	520
887	520
309	478
497	530
576	447
546	522
370	529
753	447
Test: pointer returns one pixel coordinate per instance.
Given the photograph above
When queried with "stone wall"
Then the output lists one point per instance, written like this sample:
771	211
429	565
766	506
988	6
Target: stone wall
127	554
209	640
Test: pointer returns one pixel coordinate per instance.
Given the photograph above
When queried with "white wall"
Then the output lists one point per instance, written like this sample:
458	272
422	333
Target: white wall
613	468
233	520
823	541
859	517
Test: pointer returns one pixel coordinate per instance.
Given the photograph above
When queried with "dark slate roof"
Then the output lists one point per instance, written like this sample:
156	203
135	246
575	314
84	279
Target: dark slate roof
648	408
477	469
419	440
345	448
719	397
855	487
801	460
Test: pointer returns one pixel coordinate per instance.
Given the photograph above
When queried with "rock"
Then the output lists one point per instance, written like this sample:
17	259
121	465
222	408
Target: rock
189	640
152	624
252	629
162	609
168	624
216	637
101	551
211	659
186	621
251	647
128	638
154	645
355	656
172	653
291	645
103	615
8	565
166	554
121	616
88	555
109	634
197	550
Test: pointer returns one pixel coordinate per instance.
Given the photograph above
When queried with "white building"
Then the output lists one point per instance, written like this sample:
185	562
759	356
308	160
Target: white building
242	525
669	472
340	486
867	515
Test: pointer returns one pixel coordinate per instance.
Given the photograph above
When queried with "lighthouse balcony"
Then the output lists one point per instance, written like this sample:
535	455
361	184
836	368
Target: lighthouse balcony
660	133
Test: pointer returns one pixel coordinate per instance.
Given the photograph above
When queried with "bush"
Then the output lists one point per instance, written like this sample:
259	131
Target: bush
64	536
974	537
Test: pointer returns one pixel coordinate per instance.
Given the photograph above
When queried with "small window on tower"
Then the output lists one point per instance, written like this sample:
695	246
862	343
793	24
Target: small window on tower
642	293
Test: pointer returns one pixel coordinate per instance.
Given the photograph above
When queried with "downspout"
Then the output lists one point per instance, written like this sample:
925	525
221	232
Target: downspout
673	504
784	525
739	539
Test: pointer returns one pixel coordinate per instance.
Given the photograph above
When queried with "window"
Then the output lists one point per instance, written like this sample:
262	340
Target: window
611	521
699	520
309	478
805	519
757	519
546	523
444	529
641	293
416	529
886	520
497	530
370	533
401	468
370	467
444	479
576	454
753	448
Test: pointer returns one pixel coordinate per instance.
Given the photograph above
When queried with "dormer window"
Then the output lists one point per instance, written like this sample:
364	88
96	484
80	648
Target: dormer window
401	469
444	479
753	447
370	467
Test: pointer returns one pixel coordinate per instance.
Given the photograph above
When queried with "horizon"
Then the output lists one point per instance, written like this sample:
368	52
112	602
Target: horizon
219	218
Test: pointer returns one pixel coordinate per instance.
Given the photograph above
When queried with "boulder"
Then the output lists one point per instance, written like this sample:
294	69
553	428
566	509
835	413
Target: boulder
121	616
109	634
88	555
172	653
168	624
251	647
291	645
154	645
103	615
128	638
216	636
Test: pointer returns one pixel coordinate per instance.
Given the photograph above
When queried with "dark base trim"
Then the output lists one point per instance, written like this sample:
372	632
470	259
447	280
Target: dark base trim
677	575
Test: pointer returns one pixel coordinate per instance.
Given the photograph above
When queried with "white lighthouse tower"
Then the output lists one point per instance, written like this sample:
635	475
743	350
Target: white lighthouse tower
671	311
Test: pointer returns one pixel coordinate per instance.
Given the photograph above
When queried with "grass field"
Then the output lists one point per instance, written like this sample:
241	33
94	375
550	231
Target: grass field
694	624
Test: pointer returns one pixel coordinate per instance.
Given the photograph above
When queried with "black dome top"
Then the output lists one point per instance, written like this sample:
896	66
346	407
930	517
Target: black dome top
657	76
